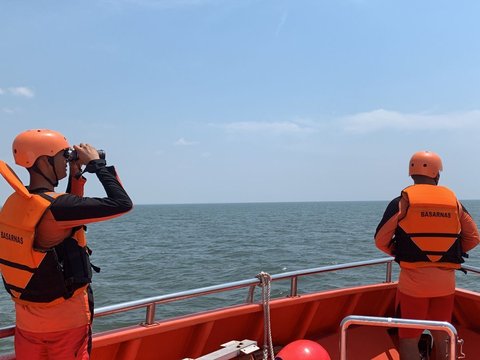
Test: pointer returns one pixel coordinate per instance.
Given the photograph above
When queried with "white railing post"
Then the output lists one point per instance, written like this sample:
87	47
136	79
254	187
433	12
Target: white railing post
398	323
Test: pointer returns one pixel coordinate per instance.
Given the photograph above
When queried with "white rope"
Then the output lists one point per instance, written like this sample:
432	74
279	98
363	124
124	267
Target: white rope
265	281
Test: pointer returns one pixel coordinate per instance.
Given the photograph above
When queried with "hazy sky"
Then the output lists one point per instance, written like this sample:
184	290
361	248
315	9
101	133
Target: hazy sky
249	100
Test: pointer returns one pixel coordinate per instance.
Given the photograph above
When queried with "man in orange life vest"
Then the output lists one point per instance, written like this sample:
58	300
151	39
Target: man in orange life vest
44	258
428	231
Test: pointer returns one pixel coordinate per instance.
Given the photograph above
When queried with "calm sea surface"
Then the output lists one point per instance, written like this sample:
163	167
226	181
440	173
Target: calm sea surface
161	249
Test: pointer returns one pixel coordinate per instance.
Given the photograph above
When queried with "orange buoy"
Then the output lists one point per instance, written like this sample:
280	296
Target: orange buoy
303	350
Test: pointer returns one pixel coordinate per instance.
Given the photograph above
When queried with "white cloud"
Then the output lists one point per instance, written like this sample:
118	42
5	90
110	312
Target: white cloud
281	23
279	127
366	122
383	119
22	91
183	142
8	110
2	91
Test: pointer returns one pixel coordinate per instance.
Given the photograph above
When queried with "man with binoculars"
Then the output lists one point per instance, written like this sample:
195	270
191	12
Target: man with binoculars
44	258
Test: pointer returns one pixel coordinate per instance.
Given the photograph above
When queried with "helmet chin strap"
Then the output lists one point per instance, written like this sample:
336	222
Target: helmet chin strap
51	161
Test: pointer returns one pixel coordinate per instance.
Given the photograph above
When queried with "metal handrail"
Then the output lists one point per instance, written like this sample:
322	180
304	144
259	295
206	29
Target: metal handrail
151	302
162	299
7	331
473	269
398	323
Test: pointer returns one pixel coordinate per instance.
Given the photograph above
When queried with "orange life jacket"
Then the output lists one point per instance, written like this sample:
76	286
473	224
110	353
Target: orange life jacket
429	234
31	275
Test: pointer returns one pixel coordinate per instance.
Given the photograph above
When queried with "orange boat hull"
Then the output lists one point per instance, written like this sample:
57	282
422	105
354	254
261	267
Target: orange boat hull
313	316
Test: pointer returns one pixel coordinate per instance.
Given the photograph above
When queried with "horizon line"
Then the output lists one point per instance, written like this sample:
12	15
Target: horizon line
271	202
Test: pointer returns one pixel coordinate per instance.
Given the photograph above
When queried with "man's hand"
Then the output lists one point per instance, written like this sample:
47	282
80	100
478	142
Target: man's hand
86	153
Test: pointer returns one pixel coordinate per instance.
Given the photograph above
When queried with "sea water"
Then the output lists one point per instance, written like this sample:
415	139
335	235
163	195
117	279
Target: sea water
161	249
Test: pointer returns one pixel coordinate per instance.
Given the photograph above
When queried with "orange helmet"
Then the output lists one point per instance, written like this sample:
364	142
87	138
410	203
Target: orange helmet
425	163
29	145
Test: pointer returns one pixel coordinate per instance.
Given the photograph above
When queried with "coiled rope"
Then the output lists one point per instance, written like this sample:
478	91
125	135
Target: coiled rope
265	282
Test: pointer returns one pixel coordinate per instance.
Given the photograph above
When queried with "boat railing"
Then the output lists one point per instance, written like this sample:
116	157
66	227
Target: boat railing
472	269
252	284
400	323
150	303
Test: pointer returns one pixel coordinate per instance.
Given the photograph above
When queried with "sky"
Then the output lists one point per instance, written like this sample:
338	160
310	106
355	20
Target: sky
219	101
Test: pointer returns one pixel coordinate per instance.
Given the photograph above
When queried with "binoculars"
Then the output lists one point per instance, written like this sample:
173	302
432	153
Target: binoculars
72	155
